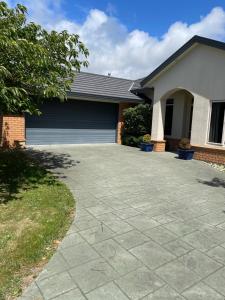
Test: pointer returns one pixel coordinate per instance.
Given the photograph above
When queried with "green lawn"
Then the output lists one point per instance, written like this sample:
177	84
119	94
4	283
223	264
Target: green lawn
35	212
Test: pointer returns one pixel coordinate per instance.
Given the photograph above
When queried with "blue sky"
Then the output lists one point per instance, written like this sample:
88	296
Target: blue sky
152	16
130	38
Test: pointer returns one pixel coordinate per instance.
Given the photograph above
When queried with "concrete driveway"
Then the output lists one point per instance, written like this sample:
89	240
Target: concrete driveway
148	226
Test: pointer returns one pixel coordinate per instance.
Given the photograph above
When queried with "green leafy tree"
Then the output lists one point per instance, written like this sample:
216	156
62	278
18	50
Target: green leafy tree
34	64
137	123
138	120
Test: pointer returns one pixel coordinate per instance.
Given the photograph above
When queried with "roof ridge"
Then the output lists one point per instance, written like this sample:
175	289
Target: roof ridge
106	76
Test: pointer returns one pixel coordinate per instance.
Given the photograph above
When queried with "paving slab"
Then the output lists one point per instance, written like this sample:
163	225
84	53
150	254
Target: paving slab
178	247
161	235
218	254
56	285
71	295
200	241
147	226
201	291
93	274
32	293
178	276
216	281
97	234
152	254
79	254
164	293
119	258
131	239
109	291
57	264
139	283
142	222
200	263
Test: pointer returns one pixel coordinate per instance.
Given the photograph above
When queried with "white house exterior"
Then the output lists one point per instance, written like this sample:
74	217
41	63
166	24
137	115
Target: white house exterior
188	94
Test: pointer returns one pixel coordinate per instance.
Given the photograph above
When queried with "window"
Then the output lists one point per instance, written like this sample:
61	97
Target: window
168	117
217	128
191	117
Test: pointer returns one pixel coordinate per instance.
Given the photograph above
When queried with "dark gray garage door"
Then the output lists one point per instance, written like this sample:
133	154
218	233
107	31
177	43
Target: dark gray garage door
73	122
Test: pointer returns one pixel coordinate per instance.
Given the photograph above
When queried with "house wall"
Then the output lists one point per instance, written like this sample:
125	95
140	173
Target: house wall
12	130
201	72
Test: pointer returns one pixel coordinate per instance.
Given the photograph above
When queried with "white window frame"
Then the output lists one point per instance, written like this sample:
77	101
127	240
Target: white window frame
222	144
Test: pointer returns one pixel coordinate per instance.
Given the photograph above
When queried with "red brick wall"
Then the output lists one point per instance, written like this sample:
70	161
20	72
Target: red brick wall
209	154
12	131
159	146
120	123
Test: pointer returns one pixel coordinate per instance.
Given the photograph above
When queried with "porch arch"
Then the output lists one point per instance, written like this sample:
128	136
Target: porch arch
187	106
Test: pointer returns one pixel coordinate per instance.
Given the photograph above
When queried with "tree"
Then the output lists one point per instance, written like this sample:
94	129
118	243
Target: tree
138	119
34	64
137	122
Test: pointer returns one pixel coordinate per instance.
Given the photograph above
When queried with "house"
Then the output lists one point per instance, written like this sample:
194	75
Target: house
91	114
187	92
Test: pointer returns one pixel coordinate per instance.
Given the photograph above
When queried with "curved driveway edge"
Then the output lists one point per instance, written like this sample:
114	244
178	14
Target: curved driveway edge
148	226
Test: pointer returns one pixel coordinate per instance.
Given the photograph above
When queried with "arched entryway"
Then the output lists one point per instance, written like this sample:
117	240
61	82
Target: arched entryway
177	118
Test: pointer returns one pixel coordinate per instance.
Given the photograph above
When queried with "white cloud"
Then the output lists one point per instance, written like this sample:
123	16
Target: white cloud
116	50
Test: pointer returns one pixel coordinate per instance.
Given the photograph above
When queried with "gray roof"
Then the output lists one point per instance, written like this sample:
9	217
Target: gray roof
97	86
137	84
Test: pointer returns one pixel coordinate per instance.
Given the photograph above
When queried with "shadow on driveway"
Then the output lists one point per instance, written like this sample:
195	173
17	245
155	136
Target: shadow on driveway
215	182
53	160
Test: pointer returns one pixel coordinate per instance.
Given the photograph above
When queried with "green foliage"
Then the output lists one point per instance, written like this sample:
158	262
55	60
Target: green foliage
138	120
147	138
133	141
137	123
34	64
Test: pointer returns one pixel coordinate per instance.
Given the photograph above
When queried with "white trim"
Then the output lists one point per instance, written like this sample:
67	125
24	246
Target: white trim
222	144
131	86
215	144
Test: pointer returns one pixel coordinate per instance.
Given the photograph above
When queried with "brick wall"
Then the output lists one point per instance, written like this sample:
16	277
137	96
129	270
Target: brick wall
209	154
120	123
205	153
12	131
159	146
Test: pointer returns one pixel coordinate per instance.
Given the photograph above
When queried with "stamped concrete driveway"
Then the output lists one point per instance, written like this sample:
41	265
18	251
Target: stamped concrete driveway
148	226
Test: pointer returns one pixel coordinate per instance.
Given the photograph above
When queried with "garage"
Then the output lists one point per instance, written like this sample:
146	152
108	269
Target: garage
73	122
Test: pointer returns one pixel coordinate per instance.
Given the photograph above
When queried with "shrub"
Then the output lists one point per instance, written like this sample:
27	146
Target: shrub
147	138
133	141
185	144
138	120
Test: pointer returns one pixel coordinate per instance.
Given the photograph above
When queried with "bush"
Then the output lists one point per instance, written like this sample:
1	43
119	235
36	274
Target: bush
138	120
133	141
137	123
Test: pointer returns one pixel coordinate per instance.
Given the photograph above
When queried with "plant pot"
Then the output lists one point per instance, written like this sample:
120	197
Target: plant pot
147	147
186	154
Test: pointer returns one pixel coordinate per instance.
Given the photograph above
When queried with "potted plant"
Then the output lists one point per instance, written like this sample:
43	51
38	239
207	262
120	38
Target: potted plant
184	149
146	144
